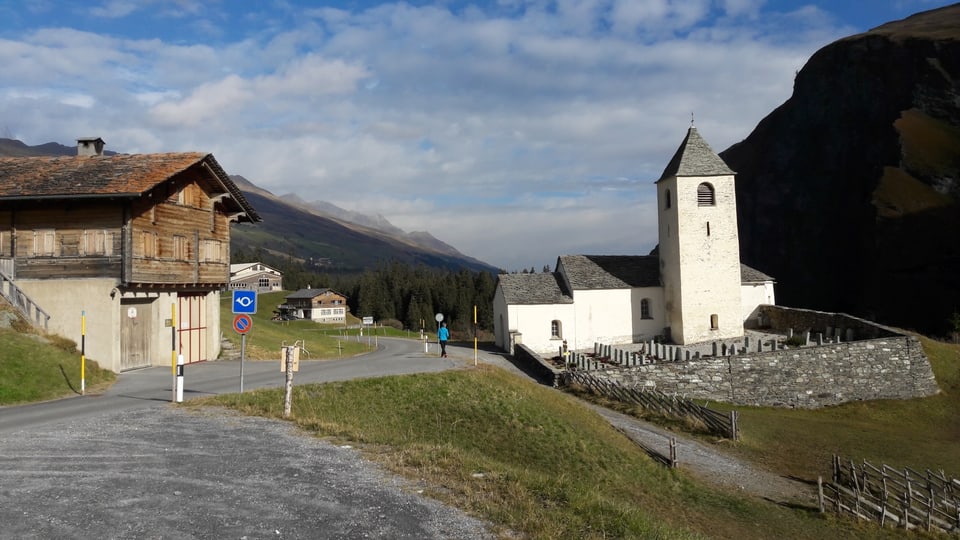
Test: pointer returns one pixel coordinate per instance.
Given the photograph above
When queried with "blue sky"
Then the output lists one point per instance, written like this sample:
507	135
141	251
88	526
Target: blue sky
515	130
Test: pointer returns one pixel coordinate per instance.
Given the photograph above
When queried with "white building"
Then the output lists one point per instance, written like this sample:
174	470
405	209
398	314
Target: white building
255	276
691	289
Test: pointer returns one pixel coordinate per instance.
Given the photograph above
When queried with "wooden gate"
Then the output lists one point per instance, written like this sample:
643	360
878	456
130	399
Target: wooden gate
136	320
192	330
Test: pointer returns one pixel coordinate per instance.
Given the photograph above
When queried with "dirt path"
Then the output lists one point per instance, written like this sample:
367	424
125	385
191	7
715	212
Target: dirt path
712	464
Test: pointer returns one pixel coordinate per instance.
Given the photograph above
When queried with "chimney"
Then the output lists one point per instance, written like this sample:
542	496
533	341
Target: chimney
90	146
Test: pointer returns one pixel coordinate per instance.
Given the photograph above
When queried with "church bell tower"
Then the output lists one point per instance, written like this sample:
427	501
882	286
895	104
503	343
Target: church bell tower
699	245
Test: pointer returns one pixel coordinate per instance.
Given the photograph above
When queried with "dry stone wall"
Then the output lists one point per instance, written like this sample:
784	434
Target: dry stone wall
890	367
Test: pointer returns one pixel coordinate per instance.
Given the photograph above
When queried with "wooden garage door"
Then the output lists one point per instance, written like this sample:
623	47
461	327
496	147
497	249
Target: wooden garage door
136	321
192	334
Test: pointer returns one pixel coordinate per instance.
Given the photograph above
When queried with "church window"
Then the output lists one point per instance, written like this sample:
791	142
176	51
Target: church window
666	199
705	195
645	309
714	322
556	330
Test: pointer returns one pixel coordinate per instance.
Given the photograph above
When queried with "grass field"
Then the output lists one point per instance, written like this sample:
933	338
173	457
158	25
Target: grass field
537	462
322	341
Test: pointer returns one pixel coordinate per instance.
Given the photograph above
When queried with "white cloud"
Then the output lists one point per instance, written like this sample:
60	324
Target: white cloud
515	138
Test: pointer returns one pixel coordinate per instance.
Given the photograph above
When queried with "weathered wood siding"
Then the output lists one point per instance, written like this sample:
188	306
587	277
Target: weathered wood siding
73	241
184	239
178	234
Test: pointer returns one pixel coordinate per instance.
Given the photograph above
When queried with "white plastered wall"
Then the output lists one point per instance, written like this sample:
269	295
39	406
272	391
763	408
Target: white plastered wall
755	295
709	261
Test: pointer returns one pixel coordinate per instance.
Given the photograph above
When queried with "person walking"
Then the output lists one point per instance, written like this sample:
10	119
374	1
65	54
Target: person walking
442	336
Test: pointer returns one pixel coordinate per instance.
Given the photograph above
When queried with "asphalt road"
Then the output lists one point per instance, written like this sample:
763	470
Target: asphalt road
126	464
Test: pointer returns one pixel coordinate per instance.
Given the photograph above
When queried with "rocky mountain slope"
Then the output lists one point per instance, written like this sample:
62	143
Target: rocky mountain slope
848	192
330	244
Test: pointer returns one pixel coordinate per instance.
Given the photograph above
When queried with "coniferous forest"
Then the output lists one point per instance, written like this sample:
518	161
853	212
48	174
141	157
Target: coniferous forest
397	294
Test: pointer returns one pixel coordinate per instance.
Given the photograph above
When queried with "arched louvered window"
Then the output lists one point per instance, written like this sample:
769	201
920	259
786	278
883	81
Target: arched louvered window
705	195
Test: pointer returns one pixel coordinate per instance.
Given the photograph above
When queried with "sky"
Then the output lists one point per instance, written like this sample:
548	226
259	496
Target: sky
513	130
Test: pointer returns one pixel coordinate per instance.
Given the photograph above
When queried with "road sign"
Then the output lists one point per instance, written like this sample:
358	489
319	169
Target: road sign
244	301
242	323
439	317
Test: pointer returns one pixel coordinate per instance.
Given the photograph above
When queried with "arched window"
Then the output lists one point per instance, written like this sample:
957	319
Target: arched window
705	195
645	309
556	330
714	322
666	199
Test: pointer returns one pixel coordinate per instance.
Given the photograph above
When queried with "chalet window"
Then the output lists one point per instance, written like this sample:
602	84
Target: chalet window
556	329
97	242
45	242
705	195
148	244
645	309
180	251
264	283
212	251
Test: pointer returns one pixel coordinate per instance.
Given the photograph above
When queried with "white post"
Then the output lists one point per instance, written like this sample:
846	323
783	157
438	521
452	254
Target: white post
179	378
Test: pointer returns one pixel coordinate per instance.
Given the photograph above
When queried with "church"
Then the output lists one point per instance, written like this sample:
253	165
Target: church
692	288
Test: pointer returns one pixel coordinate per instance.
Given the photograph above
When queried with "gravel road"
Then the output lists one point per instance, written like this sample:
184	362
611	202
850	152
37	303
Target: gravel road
167	472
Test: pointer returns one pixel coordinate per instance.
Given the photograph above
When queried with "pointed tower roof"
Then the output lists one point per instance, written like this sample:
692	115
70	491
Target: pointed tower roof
695	158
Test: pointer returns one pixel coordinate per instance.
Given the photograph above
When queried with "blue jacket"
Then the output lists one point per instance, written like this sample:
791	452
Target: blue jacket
443	334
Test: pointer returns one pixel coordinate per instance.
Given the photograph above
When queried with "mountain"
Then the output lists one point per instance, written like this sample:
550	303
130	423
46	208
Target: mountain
848	192
15	148
322	235
304	231
377	223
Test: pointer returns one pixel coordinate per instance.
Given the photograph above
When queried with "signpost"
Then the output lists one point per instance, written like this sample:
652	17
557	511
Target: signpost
244	305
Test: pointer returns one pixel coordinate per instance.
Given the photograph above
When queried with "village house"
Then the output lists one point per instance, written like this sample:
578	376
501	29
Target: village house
138	245
692	288
320	305
255	276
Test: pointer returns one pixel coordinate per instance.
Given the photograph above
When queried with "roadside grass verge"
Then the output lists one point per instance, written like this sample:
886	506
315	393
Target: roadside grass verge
39	368
532	460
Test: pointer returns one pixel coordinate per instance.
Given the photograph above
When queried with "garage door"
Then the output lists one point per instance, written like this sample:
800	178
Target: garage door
192	334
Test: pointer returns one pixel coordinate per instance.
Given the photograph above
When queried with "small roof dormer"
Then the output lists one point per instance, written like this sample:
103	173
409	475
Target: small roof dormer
90	146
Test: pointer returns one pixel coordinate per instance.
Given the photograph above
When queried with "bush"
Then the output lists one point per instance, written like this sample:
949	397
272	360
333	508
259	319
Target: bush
392	323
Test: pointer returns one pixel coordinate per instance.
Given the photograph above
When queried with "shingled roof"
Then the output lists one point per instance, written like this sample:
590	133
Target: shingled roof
117	176
752	275
611	271
695	158
526	289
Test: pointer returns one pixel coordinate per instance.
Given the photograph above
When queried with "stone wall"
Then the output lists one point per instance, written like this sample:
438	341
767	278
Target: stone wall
531	363
892	366
848	327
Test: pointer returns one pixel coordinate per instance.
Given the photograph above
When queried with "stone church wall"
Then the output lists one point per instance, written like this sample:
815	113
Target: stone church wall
891	366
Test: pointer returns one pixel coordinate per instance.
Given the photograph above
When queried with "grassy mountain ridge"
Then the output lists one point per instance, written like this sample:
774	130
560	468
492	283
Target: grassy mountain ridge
302	232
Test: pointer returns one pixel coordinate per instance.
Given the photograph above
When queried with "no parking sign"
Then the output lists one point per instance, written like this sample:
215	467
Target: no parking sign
242	324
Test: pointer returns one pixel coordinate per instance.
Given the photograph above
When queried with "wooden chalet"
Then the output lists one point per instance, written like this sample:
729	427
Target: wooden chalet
321	305
137	244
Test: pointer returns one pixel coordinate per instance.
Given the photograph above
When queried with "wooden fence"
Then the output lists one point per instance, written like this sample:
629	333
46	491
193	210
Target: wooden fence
905	499
722	424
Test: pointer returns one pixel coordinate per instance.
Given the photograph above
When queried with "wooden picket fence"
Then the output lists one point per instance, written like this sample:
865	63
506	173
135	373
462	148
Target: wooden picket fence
905	499
722	424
